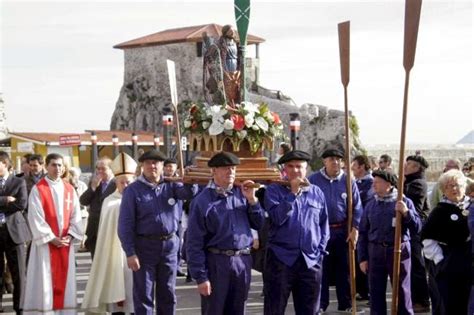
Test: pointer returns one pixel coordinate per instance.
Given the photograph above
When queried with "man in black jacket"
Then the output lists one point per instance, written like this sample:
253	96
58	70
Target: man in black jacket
102	184
416	189
14	231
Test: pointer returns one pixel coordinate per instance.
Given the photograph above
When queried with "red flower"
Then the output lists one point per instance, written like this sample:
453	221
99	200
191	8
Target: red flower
239	121
193	109
276	118
194	125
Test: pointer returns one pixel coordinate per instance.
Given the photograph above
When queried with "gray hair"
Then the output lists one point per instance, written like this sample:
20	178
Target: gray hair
451	175
75	170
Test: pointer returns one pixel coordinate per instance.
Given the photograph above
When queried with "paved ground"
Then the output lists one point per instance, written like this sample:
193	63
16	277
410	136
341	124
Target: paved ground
188	298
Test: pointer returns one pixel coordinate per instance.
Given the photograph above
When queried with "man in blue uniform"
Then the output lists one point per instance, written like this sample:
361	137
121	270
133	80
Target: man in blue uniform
219	238
377	236
360	167
298	236
148	224
332	181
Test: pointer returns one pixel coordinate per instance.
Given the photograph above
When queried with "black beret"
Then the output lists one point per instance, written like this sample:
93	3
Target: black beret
333	152
223	159
386	176
295	155
419	159
170	161
154	155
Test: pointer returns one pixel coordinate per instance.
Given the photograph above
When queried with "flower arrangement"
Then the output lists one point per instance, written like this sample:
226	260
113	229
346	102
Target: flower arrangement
246	120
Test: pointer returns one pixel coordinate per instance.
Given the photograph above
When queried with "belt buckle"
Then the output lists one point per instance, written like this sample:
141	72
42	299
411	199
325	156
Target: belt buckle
166	237
229	252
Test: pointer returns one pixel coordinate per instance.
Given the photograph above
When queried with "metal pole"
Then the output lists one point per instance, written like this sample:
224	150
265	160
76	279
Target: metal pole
115	143
294	129
94	150
167	125
135	146
156	141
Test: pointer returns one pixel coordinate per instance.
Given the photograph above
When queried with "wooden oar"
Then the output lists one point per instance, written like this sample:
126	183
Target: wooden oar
344	54
174	101
412	21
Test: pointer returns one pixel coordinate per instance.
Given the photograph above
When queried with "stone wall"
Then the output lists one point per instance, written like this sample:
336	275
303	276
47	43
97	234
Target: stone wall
321	127
3	120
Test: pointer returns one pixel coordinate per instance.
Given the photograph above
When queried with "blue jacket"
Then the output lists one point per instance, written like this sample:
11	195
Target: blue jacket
148	209
377	226
298	224
334	190
219	221
364	185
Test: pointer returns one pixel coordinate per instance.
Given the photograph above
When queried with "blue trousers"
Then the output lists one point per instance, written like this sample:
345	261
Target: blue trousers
230	278
158	264
280	280
337	263
381	266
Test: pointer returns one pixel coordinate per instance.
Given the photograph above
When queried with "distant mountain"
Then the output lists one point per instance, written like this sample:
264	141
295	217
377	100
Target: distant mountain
467	139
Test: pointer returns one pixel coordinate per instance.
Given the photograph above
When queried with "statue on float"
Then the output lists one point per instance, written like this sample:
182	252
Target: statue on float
221	68
226	121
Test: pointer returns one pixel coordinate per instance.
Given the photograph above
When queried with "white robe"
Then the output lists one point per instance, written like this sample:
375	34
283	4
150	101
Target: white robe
110	279
39	290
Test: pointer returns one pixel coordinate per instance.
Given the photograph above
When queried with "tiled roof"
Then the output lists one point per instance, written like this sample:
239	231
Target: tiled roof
179	35
104	137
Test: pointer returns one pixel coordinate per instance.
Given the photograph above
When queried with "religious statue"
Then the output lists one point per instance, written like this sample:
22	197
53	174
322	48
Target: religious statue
221	75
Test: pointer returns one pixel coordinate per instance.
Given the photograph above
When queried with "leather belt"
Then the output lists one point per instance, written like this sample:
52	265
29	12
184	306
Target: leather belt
338	225
229	252
157	237
385	244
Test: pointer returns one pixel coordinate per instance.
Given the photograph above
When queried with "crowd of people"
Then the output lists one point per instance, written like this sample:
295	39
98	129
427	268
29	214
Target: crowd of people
142	224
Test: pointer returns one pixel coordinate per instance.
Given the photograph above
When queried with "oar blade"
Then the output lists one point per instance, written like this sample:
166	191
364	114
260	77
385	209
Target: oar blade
172	79
412	21
242	19
344	30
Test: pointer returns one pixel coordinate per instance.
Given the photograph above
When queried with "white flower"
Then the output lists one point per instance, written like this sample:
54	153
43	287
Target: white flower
242	134
250	107
269	117
205	124
216	128
249	120
262	123
255	127
228	124
187	123
216	110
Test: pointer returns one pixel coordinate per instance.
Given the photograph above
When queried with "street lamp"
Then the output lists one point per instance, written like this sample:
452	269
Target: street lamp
115	143
94	150
135	146
295	124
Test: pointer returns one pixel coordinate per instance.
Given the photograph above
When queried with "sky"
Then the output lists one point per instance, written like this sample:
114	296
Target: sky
59	72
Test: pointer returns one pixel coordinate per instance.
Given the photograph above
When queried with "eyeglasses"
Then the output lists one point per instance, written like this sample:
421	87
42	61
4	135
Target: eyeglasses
453	186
